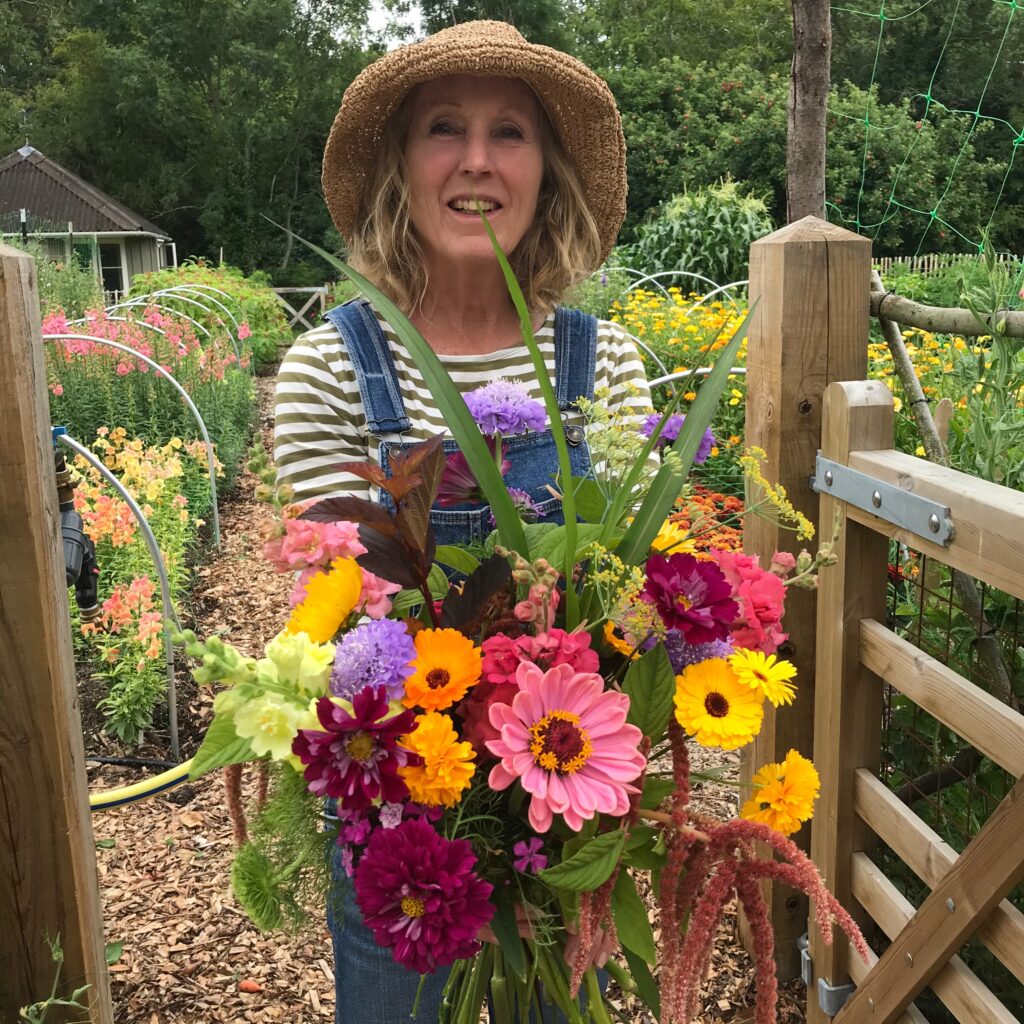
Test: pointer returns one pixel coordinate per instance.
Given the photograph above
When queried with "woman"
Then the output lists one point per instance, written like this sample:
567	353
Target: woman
472	118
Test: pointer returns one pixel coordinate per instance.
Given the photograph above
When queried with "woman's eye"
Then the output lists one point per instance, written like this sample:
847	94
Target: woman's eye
442	128
510	131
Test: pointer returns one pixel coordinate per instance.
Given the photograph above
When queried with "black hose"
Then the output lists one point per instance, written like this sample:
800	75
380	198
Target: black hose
132	762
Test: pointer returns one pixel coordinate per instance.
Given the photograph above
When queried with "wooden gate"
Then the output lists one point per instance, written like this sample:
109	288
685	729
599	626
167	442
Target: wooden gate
857	655
314	306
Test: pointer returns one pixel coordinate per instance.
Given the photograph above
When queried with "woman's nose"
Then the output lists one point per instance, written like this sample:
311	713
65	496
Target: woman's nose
476	154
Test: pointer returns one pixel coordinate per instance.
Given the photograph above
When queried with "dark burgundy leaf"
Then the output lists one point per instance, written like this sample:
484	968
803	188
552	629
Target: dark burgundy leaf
387	557
414	509
485	587
353	510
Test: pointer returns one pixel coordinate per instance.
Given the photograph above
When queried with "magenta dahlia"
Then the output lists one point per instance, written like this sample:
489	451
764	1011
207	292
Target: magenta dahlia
565	739
692	595
421	897
356	757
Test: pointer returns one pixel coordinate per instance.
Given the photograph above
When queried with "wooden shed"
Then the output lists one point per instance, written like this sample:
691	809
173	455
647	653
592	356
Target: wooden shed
41	200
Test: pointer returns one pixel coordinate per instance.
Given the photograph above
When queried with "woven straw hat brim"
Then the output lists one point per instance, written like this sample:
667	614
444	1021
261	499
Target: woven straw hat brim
579	103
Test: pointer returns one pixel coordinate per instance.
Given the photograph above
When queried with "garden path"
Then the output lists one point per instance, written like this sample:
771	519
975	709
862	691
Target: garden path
190	955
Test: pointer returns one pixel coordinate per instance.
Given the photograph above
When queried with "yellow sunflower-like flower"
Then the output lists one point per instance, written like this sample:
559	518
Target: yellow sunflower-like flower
714	707
447	766
446	666
766	674
784	794
330	598
673	538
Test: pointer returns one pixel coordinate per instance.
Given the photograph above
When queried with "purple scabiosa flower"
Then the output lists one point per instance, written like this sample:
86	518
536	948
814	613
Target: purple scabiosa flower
529	859
671	431
691	595
683	654
421	897
505	407
379	654
356	758
529	511
458	482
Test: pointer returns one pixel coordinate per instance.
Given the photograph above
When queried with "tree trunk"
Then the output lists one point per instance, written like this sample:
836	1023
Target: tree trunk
808	97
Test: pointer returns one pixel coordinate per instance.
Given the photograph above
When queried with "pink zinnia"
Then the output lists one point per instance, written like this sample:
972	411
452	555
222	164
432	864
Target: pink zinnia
421	897
566	740
692	595
761	595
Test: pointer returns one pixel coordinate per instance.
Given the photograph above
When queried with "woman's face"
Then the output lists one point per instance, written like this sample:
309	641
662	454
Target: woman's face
473	138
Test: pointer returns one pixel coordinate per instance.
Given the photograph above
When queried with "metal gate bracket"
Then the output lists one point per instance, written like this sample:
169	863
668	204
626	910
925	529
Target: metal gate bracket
832	998
909	511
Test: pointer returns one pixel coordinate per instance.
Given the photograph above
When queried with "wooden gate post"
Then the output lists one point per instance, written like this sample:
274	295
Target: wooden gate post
811	281
848	698
48	881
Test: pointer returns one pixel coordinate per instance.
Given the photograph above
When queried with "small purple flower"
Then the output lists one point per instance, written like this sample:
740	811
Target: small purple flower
391	815
529	511
529	860
682	654
356	757
356	831
671	431
691	595
505	407
377	653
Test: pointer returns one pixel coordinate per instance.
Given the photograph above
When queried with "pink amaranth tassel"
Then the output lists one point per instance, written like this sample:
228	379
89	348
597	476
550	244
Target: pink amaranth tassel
763	935
582	960
233	798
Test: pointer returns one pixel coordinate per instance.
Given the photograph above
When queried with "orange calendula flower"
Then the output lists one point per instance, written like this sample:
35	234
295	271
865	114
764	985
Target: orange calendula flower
446	666
447	764
784	794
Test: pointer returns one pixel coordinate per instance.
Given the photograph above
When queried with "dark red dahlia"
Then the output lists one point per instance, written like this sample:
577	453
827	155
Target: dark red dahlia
421	897
691	595
356	758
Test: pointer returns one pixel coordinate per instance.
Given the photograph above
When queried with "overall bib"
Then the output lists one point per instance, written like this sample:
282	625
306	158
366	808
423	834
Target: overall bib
370	987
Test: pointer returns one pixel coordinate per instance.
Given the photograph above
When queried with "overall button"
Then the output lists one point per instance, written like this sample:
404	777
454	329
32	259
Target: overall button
574	435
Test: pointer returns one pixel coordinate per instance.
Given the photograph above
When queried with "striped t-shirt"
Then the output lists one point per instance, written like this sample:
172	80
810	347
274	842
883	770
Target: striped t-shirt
319	418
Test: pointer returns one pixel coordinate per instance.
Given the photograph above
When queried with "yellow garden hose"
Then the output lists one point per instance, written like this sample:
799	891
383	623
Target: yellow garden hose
108	798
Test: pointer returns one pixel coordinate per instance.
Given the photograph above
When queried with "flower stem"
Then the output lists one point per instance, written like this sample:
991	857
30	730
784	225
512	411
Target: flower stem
666	819
595	999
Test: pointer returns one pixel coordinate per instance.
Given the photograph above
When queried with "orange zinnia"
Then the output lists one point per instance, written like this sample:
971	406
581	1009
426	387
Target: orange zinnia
446	666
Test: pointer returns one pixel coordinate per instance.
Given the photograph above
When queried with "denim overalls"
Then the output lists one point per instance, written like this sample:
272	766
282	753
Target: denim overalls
370	987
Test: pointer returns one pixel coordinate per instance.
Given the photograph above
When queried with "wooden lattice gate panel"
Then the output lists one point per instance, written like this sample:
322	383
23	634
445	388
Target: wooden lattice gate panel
857	657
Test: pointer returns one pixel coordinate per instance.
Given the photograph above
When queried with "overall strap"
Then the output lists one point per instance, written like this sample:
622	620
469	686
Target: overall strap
575	355
375	371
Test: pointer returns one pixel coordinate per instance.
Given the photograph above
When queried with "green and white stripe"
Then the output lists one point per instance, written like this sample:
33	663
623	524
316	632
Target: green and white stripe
320	422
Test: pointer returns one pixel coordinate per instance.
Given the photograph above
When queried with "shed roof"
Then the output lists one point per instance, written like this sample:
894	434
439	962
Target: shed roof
53	196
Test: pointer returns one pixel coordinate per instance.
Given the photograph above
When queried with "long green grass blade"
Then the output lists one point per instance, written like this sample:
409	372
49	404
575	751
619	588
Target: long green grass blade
572	615
666	486
449	401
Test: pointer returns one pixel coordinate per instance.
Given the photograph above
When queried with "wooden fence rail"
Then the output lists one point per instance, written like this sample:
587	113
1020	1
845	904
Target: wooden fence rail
314	306
857	656
48	881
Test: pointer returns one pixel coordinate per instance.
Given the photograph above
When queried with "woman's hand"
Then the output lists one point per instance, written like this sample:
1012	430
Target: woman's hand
523	921
600	950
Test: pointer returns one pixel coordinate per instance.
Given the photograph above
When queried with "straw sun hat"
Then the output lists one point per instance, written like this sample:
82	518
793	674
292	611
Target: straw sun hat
577	101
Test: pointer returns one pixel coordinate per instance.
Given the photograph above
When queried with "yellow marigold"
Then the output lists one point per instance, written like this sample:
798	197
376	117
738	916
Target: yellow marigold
765	674
330	598
446	666
447	766
784	794
714	707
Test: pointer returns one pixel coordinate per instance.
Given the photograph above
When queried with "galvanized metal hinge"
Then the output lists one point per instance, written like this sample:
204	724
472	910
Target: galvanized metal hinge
831	998
909	511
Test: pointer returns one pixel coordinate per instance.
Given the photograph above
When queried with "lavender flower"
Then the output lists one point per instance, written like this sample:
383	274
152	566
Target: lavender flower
681	653
671	431
378	653
505	407
529	511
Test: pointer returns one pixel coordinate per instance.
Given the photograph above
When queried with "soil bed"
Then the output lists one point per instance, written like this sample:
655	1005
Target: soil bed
190	954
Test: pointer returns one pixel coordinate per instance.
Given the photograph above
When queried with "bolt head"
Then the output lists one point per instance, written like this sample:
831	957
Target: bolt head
909	957
933	523
876	499
871	1003
950	905
828	478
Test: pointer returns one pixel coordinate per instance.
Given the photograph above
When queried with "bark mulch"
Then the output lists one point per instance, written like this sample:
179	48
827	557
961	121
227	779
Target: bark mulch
189	953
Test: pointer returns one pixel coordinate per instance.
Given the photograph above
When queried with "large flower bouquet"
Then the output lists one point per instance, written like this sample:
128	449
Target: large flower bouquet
501	733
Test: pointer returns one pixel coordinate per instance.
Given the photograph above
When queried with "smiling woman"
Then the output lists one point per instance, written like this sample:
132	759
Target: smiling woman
473	120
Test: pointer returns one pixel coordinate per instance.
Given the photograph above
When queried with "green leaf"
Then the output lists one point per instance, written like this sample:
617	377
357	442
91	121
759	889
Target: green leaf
438	582
590	866
449	402
591	504
552	545
630	915
457	558
650	685
113	951
646	986
665	488
656	790
221	745
645	848
506	931
105	844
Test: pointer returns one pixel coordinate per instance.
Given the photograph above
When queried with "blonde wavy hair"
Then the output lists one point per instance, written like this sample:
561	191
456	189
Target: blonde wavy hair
560	249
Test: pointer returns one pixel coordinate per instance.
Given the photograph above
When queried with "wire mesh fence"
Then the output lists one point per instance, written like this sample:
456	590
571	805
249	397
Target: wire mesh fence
947	782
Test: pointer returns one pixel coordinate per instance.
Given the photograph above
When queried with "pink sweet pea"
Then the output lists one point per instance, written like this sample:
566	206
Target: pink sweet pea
761	596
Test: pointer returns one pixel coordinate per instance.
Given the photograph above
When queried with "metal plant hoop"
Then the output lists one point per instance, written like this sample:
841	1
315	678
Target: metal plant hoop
161	571
185	397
